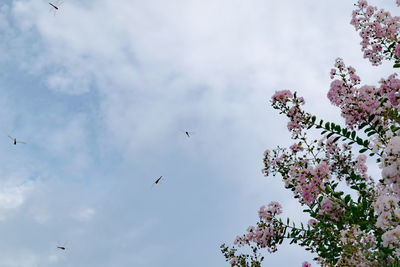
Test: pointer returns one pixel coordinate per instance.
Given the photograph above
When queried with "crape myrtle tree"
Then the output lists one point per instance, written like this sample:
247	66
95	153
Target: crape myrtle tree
343	230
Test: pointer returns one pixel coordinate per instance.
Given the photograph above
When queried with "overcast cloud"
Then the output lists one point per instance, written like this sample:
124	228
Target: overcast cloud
102	93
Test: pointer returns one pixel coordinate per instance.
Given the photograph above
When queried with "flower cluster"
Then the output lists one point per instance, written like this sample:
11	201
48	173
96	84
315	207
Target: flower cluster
264	234
280	100
356	104
343	230
378	29
390	165
308	181
330	209
358	247
391	88
360	165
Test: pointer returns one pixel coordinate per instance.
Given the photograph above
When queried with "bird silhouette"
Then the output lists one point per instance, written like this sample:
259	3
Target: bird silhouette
61	246
157	180
188	134
15	140
54	6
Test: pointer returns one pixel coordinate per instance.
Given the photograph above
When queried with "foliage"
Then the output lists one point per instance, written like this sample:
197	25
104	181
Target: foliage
343	230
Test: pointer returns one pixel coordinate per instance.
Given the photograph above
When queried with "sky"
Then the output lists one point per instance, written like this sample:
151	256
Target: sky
102	93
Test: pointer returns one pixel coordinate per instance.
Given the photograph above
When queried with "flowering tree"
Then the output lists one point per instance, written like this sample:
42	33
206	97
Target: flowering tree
343	230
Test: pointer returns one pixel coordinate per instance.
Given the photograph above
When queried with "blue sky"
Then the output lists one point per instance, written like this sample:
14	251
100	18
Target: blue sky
101	92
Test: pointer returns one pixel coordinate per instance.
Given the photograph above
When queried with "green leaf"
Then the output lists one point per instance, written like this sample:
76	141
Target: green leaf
371	118
359	141
338	194
328	189
337	138
327	126
396	65
394	128
362	150
334	185
362	125
353	134
329	135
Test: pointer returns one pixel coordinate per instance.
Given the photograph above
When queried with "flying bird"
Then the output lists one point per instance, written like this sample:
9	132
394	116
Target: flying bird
157	181
61	246
188	134
55	6
15	140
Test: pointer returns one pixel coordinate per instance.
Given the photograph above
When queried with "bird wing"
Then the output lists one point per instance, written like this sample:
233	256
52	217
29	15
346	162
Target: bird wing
156	181
11	137
186	131
20	142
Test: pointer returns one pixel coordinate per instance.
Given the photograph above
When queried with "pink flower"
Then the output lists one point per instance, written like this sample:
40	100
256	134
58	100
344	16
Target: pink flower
234	261
333	73
326	204
274	208
376	27
362	3
351	70
397	50
312	222
282	96
296	147
306	264
265	214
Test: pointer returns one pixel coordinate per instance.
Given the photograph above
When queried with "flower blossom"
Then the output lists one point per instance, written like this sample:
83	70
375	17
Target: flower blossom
376	27
282	96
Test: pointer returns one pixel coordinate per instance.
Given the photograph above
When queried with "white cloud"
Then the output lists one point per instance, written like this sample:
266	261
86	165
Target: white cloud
13	197
27	259
160	66
68	83
84	214
15	189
